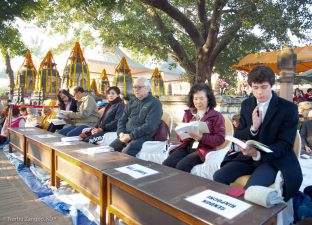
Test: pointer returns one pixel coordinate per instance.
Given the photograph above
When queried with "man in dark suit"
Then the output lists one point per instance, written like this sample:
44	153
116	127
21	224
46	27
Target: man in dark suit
271	120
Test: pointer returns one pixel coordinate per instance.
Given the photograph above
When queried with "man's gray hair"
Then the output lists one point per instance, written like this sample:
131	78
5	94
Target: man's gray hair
146	82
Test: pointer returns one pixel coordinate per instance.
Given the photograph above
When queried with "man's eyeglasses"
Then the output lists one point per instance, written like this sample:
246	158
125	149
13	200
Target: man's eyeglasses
138	87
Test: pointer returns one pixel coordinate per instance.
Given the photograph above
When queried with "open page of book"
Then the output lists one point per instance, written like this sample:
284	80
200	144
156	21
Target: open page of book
57	121
252	143
197	127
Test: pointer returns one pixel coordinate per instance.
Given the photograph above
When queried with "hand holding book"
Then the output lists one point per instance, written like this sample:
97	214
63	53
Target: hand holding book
250	143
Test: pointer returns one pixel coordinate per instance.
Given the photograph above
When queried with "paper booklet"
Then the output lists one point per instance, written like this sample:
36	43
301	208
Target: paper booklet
256	144
61	114
96	150
197	127
57	121
74	138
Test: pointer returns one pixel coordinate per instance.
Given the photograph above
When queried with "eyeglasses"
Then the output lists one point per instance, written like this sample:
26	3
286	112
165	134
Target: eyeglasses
138	87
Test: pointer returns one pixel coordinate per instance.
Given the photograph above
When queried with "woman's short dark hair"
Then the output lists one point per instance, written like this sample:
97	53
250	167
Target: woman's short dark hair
260	74
209	93
114	88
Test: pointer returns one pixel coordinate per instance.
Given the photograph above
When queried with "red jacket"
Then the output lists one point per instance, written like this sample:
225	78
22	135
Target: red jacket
209	142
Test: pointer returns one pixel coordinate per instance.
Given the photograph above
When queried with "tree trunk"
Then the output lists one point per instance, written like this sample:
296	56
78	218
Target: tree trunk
203	68
9	71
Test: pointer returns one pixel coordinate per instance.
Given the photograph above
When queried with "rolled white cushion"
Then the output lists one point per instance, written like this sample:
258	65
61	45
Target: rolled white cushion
264	196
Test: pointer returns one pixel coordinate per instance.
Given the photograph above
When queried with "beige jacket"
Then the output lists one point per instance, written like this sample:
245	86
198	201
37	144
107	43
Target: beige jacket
87	112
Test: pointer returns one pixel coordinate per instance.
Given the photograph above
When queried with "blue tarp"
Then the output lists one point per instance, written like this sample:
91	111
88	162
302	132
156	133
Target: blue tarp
45	193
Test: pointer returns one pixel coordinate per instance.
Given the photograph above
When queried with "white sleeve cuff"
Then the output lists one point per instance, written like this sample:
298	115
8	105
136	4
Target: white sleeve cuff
253	133
258	157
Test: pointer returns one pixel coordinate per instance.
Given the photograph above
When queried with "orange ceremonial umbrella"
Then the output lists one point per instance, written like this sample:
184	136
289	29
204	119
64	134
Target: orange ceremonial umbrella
304	60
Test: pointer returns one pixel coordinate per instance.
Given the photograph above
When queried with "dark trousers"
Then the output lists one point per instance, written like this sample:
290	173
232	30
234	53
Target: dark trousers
183	159
52	128
92	139
262	175
132	148
308	191
72	130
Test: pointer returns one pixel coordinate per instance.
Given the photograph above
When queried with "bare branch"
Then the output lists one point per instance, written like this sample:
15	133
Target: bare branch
225	40
174	44
202	16
177	15
214	25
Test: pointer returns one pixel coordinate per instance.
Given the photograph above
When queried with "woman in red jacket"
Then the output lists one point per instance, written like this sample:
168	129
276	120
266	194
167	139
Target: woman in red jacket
192	151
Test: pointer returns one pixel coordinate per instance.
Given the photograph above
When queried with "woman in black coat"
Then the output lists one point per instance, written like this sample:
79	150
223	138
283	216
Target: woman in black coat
109	119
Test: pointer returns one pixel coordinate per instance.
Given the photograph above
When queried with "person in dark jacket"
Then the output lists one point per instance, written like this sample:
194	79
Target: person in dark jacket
192	151
271	120
109	119
140	119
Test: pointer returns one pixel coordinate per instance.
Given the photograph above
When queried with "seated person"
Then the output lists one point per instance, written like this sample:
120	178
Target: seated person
306	136
23	112
308	96
235	121
16	121
140	119
297	96
271	120
87	115
66	102
48	113
32	117
108	121
192	151
2	116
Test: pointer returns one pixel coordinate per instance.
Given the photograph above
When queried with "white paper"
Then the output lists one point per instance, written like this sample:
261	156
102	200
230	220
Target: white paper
68	139
30	129
96	150
197	127
136	171
46	136
63	143
219	203
57	121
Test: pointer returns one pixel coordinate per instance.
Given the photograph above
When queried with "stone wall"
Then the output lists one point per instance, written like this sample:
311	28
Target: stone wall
175	105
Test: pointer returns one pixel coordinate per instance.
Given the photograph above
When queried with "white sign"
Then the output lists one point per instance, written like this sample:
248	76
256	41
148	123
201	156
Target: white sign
65	143
136	171
45	136
219	203
29	129
96	150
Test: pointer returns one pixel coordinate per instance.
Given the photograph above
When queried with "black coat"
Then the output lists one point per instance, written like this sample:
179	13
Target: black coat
109	122
73	106
278	131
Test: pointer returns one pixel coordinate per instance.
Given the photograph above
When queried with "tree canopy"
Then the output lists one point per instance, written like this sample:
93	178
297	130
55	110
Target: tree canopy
202	36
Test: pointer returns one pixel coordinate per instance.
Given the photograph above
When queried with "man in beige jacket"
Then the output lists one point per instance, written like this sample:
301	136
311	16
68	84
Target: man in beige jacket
87	115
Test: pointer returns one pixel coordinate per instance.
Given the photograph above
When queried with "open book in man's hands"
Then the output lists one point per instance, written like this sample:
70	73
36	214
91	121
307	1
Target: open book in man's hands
253	143
196	127
57	121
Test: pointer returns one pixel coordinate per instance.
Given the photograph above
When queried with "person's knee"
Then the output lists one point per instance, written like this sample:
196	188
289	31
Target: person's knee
219	176
169	163
131	151
184	166
117	145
